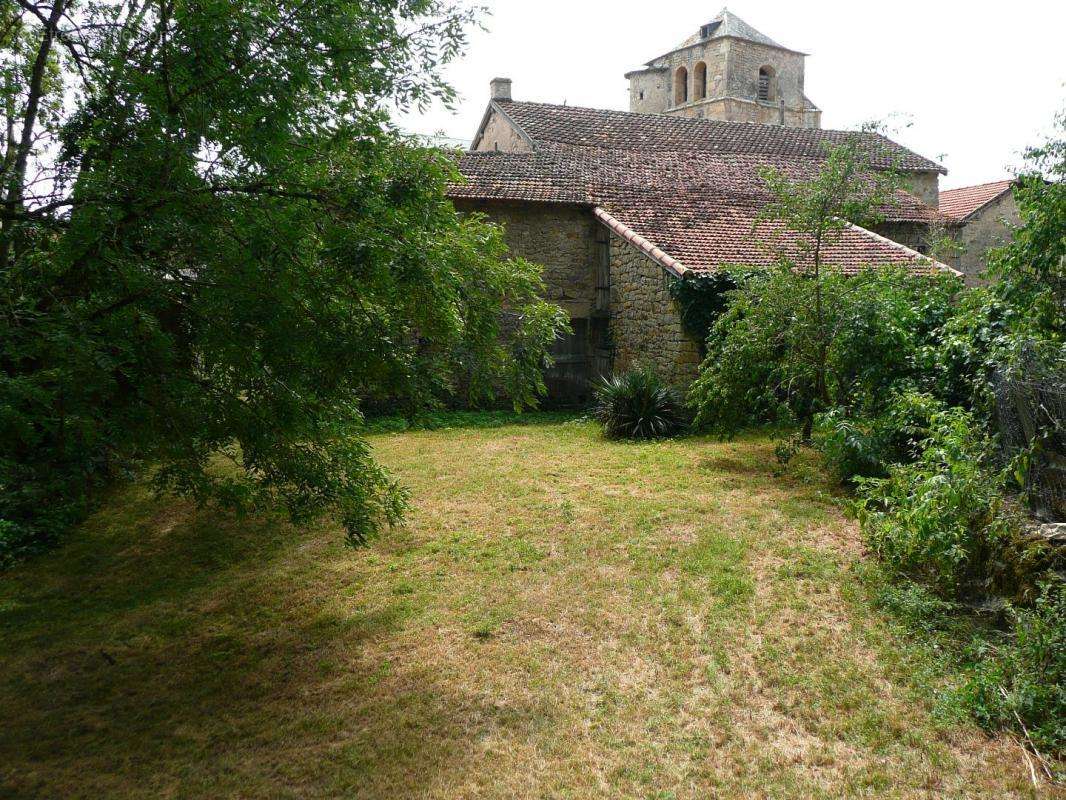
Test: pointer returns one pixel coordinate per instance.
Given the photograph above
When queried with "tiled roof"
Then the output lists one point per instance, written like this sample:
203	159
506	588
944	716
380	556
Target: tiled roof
687	191
591	176
729	24
536	177
961	203
591	127
702	212
708	233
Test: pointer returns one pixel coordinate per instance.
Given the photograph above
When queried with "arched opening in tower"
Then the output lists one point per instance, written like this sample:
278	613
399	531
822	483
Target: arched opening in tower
699	81
681	86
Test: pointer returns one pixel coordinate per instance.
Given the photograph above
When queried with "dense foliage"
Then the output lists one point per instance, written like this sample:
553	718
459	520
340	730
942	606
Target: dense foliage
702	298
865	447
900	382
214	246
1008	334
791	348
638	404
946	518
803	339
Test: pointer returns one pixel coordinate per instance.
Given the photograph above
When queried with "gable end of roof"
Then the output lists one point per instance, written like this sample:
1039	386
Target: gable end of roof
497	107
962	203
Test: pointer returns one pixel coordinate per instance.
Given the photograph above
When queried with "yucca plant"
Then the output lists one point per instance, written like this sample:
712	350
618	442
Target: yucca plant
638	404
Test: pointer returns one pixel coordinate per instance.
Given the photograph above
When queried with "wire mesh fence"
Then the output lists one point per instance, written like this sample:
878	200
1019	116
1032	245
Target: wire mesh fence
1031	404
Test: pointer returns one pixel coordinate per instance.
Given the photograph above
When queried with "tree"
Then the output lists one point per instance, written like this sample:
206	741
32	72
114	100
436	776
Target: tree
801	338
1021	314
213	244
1029	272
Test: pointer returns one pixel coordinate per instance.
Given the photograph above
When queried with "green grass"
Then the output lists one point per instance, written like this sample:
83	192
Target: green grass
562	617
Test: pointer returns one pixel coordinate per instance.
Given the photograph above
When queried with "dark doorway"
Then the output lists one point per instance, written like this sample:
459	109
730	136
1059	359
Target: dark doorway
581	357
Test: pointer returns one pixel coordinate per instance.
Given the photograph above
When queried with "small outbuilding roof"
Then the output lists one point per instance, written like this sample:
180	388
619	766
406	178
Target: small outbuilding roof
961	203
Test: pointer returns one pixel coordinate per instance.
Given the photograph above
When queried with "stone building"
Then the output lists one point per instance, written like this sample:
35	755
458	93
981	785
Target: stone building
618	205
728	71
981	218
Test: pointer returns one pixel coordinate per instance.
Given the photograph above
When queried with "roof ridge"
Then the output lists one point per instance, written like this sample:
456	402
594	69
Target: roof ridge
649	248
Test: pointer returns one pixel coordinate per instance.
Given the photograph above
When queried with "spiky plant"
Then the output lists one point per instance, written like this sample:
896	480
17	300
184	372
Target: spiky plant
638	404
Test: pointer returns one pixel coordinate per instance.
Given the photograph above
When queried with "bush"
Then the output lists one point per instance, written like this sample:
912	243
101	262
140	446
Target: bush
772	358
639	405
945	519
1023	681
867	448
942	518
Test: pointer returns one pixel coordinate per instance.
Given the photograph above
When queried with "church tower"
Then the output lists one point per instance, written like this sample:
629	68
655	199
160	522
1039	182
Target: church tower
727	71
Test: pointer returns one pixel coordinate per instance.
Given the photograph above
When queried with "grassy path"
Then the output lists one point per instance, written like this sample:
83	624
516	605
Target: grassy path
562	617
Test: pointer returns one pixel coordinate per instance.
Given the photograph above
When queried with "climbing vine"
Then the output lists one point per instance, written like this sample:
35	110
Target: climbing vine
702	299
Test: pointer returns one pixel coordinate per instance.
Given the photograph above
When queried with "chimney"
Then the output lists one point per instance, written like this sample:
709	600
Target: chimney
501	88
782	111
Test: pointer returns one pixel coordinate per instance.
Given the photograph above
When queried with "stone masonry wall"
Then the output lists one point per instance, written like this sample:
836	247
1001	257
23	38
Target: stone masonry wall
914	235
732	109
711	53
987	228
650	91
732	84
560	238
745	60
645	320
501	135
925	186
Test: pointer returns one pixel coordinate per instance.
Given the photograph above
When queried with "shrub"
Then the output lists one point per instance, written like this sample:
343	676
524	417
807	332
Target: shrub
638	404
1022	682
771	357
944	519
702	298
866	448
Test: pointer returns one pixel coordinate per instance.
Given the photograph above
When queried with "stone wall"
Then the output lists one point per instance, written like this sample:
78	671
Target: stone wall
560	238
925	186
500	134
914	235
568	244
745	60
649	90
712	53
734	109
731	89
989	227
645	320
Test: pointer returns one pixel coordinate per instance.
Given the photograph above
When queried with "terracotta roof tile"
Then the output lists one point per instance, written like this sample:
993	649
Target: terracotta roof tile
706	233
564	174
520	176
961	203
591	127
702	212
690	189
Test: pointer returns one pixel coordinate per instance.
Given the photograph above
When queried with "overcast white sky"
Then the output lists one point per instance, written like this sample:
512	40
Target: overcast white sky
975	81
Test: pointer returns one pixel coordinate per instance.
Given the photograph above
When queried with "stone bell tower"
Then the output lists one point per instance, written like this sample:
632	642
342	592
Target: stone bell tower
727	71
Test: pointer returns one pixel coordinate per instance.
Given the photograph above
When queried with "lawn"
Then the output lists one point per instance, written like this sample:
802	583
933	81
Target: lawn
561	617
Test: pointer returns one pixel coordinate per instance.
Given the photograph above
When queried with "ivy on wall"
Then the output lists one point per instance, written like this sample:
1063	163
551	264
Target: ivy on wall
702	299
